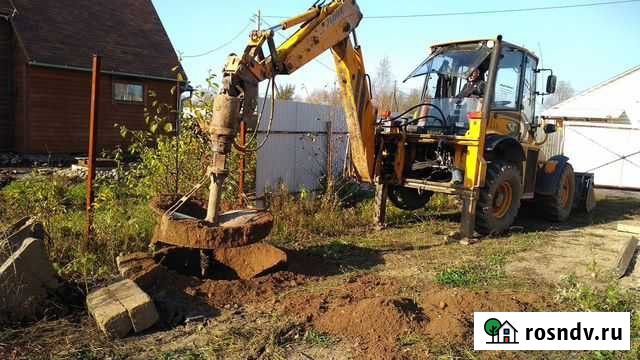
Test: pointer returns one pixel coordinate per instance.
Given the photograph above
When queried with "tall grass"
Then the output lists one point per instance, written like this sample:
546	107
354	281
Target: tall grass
299	218
122	223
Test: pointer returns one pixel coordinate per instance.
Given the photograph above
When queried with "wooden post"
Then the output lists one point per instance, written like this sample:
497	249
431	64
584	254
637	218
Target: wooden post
91	161
329	156
243	135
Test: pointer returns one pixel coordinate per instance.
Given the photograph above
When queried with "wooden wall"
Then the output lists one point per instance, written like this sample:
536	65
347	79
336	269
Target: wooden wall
21	96
6	86
58	110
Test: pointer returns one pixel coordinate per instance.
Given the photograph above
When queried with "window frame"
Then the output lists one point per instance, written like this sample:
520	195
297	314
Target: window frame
520	84
128	82
533	86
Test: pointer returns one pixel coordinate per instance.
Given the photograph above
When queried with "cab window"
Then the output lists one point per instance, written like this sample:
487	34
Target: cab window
508	80
529	90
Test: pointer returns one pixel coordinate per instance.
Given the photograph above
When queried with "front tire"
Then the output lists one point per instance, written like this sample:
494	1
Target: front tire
499	199
557	207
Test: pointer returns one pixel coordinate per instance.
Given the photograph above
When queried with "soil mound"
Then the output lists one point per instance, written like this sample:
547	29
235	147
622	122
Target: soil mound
367	311
450	311
377	325
223	293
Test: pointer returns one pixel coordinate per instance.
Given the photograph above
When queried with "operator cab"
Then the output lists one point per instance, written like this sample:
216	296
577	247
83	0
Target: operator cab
455	81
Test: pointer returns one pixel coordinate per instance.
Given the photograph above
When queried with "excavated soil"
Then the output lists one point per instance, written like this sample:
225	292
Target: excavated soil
376	324
368	312
374	314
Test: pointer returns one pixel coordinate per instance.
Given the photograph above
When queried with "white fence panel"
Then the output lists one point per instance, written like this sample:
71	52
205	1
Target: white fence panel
611	152
295	153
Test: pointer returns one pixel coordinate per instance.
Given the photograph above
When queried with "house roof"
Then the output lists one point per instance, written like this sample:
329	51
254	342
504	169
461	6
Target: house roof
506	322
615	99
128	34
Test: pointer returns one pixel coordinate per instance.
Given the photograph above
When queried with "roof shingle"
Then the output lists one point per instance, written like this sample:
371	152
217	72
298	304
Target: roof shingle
127	33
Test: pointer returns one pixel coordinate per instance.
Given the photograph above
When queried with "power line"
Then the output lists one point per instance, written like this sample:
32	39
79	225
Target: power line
485	12
243	31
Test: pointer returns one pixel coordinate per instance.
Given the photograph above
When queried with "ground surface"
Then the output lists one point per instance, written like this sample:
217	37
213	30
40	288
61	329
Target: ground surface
400	293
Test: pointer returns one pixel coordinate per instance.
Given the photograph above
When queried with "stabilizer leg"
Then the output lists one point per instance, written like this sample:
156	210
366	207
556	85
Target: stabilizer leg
380	206
468	218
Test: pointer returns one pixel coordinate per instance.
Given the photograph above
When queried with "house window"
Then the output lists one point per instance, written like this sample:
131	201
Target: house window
506	331
128	92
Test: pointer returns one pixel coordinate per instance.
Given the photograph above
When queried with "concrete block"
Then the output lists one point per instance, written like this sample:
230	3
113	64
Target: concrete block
131	264
625	255
26	227
123	260
142	311
142	269
629	228
120	307
110	315
25	279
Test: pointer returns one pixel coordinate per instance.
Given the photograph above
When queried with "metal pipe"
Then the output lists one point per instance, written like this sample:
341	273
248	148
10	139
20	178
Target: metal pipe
91	161
243	135
119	73
215	194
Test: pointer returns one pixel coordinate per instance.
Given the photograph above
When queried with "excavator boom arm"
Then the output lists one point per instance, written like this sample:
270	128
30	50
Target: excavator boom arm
321	28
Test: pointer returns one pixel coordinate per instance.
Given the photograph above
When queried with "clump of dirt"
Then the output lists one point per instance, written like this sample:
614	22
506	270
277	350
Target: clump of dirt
375	325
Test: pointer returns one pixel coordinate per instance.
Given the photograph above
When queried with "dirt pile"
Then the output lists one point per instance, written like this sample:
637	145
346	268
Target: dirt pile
376	325
368	312
450	311
221	293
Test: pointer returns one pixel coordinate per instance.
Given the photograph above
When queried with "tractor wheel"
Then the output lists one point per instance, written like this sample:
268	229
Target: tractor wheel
557	207
407	198
499	199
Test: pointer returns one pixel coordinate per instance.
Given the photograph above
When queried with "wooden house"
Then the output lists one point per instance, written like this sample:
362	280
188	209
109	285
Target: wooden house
46	49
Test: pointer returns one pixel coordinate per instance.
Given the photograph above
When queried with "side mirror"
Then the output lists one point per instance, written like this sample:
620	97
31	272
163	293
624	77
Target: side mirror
551	84
550	128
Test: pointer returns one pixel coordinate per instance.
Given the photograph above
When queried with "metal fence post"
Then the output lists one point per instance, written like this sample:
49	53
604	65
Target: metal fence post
91	161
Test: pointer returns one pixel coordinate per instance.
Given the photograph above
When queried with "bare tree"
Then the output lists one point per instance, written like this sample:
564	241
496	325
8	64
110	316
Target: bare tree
383	91
564	91
286	92
328	95
408	99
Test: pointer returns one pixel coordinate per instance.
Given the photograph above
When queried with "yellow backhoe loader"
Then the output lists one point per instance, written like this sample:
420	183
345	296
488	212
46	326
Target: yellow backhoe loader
474	133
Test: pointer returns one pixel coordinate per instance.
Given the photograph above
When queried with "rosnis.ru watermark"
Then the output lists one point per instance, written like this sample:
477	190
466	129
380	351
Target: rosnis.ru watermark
552	331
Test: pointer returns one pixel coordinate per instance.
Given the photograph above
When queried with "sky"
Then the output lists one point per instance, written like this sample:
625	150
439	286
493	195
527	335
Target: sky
584	46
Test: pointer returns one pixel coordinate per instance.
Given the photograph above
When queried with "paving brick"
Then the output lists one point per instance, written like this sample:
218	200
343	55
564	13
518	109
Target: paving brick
110	315
120	307
142	311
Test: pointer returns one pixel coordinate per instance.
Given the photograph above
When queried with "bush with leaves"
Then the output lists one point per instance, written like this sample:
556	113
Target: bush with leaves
175	164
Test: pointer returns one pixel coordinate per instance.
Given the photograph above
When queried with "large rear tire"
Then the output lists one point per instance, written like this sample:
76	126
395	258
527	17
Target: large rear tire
408	198
557	207
499	199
